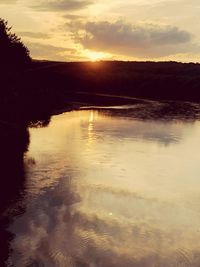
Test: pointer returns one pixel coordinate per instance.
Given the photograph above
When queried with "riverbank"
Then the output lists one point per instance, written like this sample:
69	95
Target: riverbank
47	88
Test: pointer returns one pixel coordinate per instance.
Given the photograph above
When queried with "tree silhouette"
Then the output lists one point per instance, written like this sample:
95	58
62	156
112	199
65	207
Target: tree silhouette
13	53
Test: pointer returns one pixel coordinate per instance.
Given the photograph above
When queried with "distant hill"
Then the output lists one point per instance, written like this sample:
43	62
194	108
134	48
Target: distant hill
154	80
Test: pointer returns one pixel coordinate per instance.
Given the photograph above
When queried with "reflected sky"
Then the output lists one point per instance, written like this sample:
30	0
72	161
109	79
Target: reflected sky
104	190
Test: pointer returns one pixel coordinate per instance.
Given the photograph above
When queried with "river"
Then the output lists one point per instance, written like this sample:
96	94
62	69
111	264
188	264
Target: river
110	186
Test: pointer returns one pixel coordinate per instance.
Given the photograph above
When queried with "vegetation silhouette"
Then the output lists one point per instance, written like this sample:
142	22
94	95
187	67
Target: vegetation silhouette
150	80
13	53
14	59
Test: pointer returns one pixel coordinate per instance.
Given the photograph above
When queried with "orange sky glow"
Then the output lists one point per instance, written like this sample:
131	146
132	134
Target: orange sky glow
81	30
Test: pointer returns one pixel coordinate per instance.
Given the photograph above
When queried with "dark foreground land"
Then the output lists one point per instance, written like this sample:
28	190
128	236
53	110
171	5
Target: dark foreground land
45	87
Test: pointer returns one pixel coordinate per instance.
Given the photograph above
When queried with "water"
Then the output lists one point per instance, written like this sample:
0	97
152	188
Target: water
110	187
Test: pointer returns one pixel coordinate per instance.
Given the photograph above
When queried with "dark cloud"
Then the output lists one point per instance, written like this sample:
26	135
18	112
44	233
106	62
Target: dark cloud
146	40
36	35
62	5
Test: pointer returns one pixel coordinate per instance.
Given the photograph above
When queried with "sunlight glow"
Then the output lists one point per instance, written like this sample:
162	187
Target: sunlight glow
95	56
91	119
91	127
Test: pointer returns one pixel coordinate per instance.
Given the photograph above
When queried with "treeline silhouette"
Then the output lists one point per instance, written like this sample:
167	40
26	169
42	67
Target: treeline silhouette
14	56
15	60
151	80
48	86
13	53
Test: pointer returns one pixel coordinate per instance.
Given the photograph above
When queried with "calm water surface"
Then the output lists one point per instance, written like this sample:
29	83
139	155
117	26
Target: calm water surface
105	187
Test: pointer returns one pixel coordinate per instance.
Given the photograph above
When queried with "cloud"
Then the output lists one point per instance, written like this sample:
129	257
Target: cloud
43	51
141	40
36	35
62	5
161	9
73	17
7	2
59	233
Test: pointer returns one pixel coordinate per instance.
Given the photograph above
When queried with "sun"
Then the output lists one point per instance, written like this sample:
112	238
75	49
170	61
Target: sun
96	56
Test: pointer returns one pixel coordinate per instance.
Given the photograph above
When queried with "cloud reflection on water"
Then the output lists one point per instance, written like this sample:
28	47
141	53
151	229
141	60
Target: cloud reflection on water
124	200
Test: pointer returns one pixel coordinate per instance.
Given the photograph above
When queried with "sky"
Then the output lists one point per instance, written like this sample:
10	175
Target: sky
82	30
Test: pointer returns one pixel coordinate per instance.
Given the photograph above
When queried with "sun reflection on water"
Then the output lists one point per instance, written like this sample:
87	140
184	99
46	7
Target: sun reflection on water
91	131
